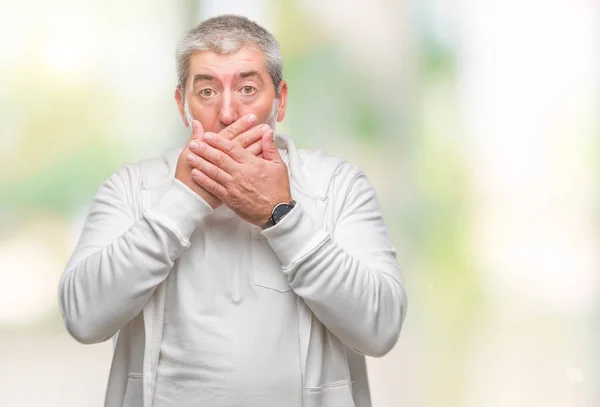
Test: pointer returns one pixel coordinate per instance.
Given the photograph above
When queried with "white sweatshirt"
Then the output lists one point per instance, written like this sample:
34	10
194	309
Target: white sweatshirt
228	340
334	252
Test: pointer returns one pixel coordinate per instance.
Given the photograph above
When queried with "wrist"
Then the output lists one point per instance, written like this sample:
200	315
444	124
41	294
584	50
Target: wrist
180	208
209	198
279	211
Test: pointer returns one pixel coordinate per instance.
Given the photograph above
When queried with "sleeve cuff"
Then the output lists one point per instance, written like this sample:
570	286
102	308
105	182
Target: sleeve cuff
294	236
180	209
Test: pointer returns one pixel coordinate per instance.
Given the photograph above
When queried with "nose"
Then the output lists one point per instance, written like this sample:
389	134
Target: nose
229	111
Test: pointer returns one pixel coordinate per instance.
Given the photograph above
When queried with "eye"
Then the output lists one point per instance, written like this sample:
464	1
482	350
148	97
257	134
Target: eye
248	90
206	93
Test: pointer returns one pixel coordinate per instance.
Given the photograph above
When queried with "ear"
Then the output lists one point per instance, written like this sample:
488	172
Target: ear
281	106
179	99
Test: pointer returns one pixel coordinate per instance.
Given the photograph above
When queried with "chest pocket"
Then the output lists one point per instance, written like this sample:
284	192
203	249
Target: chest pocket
266	265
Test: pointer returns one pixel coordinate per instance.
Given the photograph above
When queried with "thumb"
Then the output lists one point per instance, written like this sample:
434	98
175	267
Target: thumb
197	130
270	152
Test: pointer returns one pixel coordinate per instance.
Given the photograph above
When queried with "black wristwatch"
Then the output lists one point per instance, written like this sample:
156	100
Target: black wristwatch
278	213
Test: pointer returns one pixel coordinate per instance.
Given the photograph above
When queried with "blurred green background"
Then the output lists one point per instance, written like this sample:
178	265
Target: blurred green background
476	121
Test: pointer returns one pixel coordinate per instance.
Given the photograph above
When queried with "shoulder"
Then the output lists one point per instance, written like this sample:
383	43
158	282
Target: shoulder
335	171
159	170
314	171
336	180
147	173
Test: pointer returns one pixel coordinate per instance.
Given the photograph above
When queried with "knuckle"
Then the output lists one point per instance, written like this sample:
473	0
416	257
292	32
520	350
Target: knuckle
198	177
231	148
215	172
229	132
243	140
219	158
234	129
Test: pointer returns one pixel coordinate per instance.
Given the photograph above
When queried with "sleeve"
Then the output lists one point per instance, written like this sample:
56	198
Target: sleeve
119	260
350	279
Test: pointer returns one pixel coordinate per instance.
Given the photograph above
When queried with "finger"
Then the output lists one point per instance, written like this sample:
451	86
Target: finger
213	155
209	169
197	130
248	137
270	151
194	143
230	132
209	185
255	148
230	148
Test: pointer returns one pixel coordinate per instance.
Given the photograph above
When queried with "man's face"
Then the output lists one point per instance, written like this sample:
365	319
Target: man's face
220	89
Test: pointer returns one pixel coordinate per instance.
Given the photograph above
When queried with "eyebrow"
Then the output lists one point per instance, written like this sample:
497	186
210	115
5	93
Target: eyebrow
252	73
243	75
203	77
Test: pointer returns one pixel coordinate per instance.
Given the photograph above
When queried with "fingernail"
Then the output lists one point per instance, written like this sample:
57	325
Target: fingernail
251	119
265	128
191	157
193	145
207	136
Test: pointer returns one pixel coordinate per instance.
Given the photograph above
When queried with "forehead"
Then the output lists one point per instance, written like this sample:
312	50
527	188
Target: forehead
224	66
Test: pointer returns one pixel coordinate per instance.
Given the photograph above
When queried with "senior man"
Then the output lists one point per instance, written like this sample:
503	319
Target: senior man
239	270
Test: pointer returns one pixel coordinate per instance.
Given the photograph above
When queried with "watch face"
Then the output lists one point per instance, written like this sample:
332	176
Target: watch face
280	211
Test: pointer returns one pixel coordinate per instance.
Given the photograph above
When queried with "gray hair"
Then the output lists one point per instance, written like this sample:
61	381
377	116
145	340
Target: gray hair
224	35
